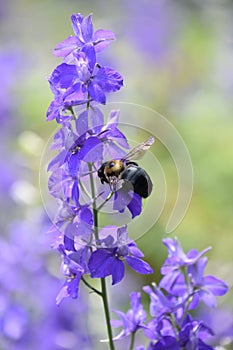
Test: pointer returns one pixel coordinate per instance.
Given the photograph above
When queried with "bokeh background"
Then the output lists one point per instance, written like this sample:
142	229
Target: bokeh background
176	57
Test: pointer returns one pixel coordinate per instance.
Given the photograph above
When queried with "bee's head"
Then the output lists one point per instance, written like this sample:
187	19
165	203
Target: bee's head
113	168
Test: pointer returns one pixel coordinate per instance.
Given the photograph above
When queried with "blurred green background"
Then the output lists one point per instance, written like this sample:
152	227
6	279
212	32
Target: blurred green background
176	57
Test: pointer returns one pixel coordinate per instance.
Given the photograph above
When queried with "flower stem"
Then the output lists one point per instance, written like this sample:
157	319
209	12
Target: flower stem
95	211
132	341
107	314
91	287
103	292
105	201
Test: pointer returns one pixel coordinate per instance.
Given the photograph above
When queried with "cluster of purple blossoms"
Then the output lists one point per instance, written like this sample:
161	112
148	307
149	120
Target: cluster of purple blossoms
82	142
180	290
80	79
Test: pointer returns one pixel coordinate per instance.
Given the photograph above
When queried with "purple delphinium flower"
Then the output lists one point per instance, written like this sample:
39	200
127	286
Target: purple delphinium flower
80	79
172	327
84	34
74	265
73	225
133	319
206	288
183	276
110	261
83	81
189	337
176	262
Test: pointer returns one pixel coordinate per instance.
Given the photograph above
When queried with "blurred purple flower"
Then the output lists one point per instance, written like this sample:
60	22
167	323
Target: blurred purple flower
183	276
30	318
205	287
177	260
160	304
166	312
156	37
133	319
189	335
172	327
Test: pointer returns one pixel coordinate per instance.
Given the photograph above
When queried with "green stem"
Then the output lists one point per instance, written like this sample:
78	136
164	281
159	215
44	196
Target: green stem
105	201
91	287
103	292
132	341
107	314
95	211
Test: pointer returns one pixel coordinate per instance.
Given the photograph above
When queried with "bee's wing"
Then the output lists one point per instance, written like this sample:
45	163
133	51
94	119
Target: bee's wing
139	151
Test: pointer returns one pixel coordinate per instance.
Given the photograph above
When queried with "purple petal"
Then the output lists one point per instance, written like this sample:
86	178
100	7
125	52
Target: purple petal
87	28
100	263
194	302
92	150
89	51
135	205
73	286
69	242
139	265
203	346
102	38
108	79
135	300
86	215
124	320
83	231
113	151
65	47
174	249
135	251
76	20
74	164
197	269
118	271
116	323
208	298
53	111
116	135
75	193
64	75
193	255
168	343
75	95
57	161
62	294
96	93
215	285
113	118
169	279
97	119
82	123
121	199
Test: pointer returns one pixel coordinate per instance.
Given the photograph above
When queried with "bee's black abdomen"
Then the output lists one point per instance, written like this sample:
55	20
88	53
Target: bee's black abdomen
139	179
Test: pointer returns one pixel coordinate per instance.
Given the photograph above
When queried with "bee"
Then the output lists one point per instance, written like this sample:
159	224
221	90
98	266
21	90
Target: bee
116	172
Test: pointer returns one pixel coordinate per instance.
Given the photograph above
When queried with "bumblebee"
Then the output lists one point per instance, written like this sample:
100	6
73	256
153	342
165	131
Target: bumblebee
116	172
